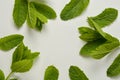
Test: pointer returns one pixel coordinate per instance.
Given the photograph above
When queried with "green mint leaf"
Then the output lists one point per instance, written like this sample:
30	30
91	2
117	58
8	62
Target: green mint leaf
2	77
39	25
31	18
51	73
76	74
91	46
104	49
33	55
97	28
74	9
45	10
114	68
88	34
18	53
22	66
33	15
20	12
105	18
11	41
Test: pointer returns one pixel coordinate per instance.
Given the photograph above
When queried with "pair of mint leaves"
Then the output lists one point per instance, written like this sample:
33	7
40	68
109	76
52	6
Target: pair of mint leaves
100	43
75	73
38	14
22	58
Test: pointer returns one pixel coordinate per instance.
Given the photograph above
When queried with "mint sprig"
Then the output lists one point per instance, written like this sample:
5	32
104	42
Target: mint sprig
22	58
99	43
35	13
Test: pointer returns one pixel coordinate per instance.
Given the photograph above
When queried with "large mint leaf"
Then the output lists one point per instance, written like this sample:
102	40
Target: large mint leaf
88	34
77	74
20	12
45	10
51	73
105	18
114	68
22	66
104	49
2	77
73	9
11	41
91	46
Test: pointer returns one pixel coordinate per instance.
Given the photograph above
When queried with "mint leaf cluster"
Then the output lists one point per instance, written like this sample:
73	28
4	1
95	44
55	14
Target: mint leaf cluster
35	13
22	58
99	43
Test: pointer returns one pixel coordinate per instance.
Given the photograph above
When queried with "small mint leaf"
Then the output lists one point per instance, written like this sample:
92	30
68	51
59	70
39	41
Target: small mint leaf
11	41
76	74
51	73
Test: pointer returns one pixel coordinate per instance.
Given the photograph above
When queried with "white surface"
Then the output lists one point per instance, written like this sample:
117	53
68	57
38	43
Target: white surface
58	42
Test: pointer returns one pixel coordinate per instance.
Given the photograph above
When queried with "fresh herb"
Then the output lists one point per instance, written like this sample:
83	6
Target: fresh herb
51	73
74	9
22	59
98	43
114	68
105	18
11	41
76	74
35	13
2	77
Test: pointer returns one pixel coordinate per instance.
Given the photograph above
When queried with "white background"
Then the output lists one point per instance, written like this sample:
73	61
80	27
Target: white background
59	42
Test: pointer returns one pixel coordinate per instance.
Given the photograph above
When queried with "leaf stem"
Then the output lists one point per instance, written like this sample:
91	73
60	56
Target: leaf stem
9	76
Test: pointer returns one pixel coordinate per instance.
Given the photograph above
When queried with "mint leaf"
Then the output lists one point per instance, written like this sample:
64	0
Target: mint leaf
22	66
39	25
51	73
88	34
76	74
45	10
105	18
11	41
18	53
33	15
104	49
2	77
33	55
73	9
20	12
114	68
91	46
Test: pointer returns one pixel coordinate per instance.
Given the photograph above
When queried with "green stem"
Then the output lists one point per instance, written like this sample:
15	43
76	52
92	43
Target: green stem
9	75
